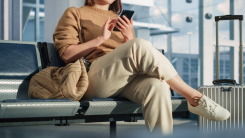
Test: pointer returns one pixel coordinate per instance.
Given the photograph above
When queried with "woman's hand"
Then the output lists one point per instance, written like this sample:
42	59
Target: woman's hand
125	28
107	28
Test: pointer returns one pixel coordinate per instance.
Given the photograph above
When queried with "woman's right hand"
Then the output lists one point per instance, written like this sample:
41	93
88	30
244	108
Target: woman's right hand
107	28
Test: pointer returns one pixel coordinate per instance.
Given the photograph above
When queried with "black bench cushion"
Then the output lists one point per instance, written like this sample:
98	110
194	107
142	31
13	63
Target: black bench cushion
18	61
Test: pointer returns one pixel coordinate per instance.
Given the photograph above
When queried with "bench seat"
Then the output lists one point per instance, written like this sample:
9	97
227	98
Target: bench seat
26	108
37	109
97	107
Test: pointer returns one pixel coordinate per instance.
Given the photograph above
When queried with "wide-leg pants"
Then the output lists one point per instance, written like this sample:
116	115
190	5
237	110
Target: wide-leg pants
137	71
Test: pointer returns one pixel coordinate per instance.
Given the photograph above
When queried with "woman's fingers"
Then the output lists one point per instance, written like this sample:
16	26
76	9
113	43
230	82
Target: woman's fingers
126	19
120	25
107	22
113	21
122	21
131	21
105	32
112	24
111	27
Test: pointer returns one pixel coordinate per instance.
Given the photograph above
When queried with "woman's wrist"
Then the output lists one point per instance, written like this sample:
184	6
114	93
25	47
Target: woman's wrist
100	40
128	38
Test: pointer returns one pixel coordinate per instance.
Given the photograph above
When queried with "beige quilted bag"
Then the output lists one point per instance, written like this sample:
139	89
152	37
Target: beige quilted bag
69	82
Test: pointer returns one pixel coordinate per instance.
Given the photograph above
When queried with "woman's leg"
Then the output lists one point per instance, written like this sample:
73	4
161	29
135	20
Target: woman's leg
178	85
109	74
154	96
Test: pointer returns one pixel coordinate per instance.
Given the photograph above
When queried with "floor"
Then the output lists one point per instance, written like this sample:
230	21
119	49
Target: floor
90	130
183	128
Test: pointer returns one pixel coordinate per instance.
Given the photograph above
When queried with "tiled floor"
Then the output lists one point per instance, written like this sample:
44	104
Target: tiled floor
90	130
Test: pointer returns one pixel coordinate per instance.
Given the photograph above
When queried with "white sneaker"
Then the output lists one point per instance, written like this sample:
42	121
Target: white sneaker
209	109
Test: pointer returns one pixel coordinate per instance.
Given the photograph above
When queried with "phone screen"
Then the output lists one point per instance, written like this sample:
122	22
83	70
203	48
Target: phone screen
128	14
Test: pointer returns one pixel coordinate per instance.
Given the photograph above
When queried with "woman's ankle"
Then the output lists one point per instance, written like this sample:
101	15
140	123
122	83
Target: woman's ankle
194	100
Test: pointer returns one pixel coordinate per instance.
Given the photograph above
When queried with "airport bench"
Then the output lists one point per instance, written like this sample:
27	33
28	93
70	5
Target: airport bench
19	61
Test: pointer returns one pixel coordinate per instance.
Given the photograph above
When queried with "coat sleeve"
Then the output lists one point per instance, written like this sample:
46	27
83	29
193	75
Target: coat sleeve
67	31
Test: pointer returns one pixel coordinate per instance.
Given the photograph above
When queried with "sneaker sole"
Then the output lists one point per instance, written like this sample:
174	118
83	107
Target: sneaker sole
216	119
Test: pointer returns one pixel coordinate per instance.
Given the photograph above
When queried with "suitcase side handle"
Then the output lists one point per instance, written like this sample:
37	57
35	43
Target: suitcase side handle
229	17
220	81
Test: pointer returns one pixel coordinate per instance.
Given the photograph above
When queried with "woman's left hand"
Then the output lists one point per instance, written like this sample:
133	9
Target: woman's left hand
125	28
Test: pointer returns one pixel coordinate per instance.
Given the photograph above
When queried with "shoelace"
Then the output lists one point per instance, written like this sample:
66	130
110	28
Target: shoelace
210	107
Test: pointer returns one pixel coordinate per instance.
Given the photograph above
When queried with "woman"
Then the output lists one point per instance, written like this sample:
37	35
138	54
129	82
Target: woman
118	58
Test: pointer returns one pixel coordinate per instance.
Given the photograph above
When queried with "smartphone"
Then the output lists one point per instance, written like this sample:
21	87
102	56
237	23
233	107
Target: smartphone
128	14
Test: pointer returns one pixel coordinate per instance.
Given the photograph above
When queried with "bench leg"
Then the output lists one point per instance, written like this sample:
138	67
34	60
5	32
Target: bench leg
113	127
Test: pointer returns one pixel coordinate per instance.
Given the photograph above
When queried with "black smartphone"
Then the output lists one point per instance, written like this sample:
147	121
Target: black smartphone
128	14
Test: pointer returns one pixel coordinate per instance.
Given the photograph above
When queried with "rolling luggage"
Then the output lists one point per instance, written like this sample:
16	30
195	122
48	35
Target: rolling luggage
225	92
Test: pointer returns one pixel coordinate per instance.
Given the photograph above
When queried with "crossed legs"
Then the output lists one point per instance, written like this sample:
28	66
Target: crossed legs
117	74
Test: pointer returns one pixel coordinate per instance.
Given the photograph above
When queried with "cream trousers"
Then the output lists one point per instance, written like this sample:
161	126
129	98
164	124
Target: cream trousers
116	74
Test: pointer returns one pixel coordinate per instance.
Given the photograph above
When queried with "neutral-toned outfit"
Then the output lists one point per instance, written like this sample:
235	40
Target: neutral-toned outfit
116	67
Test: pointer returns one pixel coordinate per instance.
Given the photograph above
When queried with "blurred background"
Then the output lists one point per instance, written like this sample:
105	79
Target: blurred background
183	29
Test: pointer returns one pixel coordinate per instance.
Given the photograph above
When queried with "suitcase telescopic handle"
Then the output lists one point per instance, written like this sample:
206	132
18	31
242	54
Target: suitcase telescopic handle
229	17
220	81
